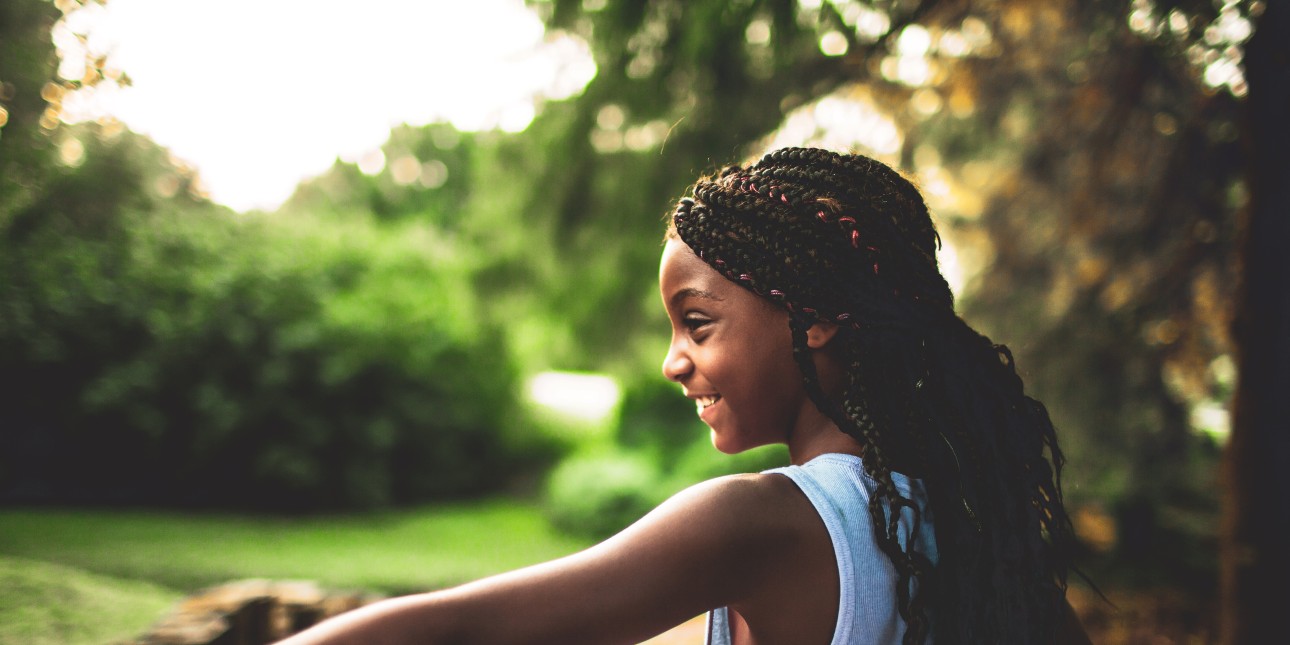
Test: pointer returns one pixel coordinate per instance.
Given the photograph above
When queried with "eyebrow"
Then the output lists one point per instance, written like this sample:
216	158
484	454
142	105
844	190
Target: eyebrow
691	292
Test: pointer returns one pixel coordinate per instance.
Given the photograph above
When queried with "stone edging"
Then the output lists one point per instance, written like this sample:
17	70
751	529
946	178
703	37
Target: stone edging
249	612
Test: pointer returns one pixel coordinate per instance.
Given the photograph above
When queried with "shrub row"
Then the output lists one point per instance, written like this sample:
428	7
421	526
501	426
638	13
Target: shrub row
197	357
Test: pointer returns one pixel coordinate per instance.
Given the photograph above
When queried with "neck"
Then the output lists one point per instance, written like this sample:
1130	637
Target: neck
815	435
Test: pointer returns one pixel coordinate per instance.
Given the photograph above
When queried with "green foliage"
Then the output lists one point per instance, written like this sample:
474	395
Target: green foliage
655	416
701	461
27	63
596	495
429	175
173	352
163	350
661	448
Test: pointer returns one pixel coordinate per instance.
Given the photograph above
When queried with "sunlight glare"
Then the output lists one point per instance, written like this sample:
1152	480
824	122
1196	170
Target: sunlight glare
71	152
953	44
872	24
947	258
371	162
843	121
589	397
610	117
926	102
914	41
516	117
434	173
405	170
833	44
1213	419
260	95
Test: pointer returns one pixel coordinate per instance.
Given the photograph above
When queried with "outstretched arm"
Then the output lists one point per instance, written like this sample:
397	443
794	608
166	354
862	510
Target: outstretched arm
706	547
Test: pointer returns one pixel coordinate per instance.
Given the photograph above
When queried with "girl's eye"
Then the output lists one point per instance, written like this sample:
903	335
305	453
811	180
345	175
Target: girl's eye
693	323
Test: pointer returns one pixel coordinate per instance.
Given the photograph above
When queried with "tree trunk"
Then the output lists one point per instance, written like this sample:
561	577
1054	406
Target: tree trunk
1255	556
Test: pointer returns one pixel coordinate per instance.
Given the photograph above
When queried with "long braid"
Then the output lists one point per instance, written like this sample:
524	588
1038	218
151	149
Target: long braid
885	517
846	240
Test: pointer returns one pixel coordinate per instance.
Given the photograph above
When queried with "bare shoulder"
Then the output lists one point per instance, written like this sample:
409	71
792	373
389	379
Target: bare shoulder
738	527
740	490
743	505
766	548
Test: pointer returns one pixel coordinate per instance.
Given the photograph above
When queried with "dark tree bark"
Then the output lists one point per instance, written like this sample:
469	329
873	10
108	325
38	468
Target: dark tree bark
1256	539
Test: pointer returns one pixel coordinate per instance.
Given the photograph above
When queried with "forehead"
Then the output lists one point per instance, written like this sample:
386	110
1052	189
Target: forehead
680	269
682	275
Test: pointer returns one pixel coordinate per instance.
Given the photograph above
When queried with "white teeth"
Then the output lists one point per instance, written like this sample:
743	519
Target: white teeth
703	402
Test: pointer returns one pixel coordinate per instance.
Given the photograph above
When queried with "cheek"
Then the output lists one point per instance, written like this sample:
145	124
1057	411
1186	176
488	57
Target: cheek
773	380
774	355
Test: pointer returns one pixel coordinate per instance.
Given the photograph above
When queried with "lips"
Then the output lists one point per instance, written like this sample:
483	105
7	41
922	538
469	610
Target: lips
705	402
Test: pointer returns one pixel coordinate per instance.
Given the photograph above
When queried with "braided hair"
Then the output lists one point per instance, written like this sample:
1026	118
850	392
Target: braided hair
846	240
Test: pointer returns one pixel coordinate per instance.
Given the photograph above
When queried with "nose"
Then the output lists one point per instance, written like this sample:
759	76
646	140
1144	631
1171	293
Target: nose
676	364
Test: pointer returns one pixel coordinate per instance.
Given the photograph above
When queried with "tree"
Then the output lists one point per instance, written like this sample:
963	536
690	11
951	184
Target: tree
1255	562
27	65
31	95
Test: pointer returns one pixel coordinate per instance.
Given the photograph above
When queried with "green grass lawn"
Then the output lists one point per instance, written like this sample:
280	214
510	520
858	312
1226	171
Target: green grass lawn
388	551
94	576
51	604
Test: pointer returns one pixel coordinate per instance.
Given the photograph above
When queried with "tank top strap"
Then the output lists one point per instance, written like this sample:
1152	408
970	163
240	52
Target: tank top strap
839	489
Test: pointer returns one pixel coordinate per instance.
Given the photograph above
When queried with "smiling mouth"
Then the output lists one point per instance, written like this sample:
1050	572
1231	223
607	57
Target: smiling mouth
705	402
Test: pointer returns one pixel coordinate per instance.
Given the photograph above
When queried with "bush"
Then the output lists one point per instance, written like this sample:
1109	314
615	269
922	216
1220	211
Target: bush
701	461
656	416
661	448
597	495
192	356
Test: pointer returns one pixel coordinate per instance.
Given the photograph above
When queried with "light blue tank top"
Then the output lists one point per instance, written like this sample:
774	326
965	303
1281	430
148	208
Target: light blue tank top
839	489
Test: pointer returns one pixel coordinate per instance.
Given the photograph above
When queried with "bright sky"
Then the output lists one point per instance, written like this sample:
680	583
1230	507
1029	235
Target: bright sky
259	94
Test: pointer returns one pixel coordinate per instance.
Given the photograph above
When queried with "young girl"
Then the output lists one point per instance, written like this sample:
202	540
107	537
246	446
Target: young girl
923	503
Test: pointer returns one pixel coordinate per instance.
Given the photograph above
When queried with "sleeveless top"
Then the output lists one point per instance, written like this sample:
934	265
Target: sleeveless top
839	489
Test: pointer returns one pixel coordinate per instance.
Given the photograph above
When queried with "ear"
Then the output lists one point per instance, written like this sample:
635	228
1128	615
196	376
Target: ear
820	334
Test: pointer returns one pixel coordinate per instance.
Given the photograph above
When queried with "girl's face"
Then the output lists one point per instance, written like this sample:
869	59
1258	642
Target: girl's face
732	353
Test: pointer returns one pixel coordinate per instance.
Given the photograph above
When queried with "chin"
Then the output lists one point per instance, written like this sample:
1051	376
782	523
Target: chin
722	446
727	447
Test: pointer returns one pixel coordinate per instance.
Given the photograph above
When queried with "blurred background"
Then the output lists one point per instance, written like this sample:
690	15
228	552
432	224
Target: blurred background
365	294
